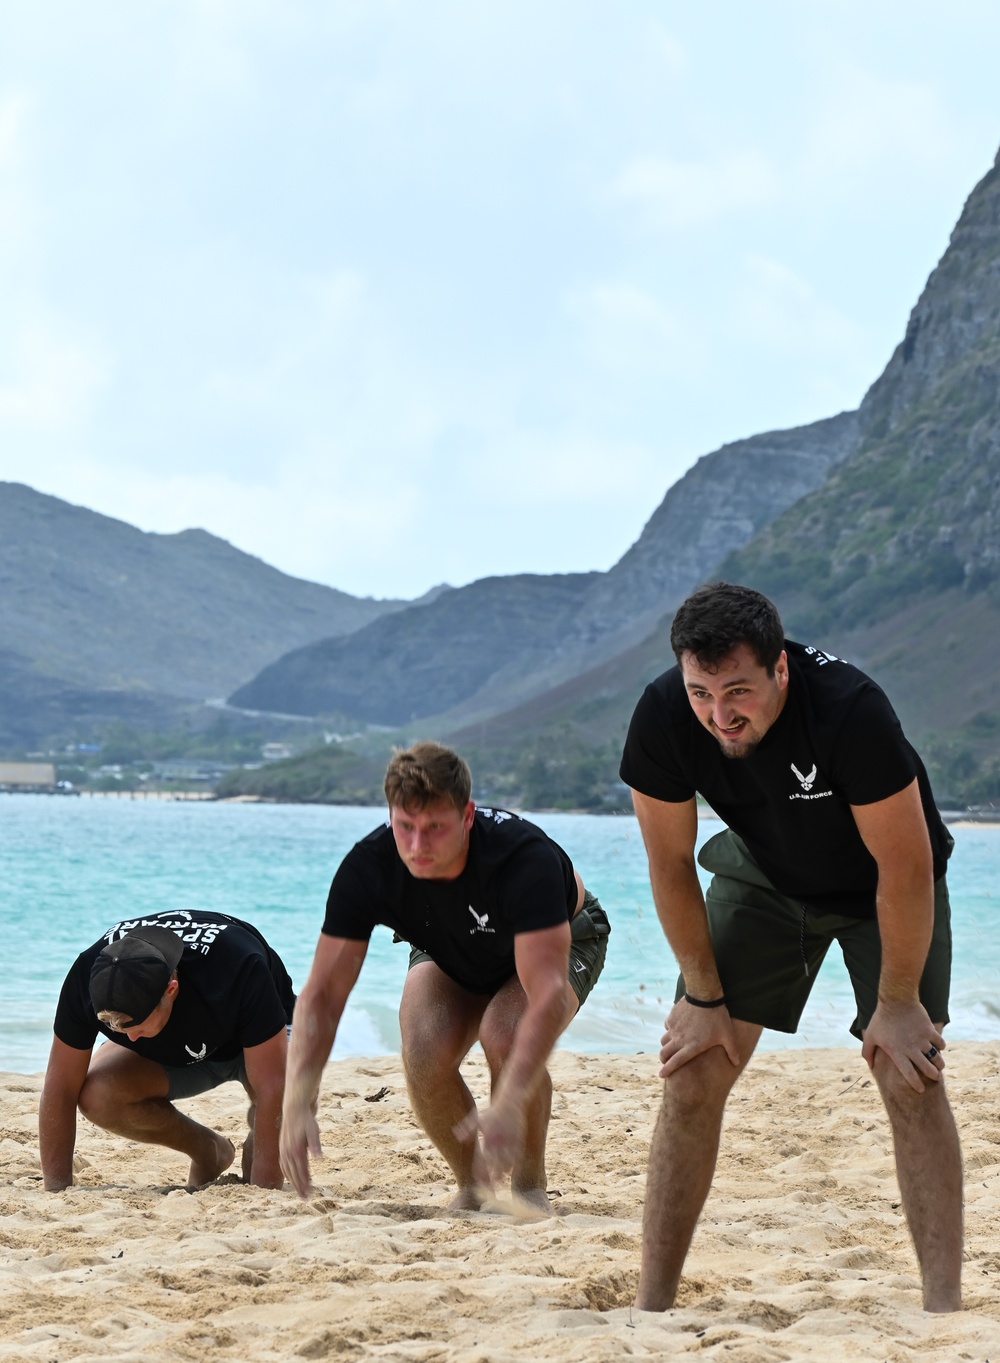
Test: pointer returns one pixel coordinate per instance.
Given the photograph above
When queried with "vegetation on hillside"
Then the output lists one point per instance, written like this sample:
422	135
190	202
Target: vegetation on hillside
332	774
555	771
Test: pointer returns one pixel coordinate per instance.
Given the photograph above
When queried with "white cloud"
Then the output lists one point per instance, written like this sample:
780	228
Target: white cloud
18	211
778	309
625	329
667	194
52	380
14	109
561	472
868	124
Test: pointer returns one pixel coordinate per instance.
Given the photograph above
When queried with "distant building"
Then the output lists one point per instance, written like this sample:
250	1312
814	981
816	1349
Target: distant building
275	752
34	776
188	769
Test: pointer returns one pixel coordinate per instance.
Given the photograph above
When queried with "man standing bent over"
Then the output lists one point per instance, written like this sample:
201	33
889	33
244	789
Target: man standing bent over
506	945
832	833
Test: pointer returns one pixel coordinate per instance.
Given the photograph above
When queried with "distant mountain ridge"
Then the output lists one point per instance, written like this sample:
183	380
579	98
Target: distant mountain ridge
500	641
99	618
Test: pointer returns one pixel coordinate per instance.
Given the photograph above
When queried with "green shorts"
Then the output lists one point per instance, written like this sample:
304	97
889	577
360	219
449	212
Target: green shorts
769	948
589	932
187	1081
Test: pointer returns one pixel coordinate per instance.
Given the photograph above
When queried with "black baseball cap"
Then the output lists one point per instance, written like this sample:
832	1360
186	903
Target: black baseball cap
131	975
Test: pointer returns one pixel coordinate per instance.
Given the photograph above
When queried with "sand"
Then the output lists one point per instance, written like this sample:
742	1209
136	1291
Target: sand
802	1252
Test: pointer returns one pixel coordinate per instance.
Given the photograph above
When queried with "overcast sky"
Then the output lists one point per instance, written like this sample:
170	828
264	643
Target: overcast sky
393	293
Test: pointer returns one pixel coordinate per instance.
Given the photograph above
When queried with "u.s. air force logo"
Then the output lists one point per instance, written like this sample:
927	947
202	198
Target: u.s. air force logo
482	921
807	780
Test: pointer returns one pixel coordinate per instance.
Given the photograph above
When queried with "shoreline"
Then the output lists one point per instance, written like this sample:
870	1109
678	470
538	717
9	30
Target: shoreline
953	818
802	1252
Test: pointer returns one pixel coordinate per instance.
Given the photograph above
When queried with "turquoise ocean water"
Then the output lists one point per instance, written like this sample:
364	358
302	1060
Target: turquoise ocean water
70	867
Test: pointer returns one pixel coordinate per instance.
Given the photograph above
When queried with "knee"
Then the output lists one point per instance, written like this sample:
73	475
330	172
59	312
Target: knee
496	1036
432	1046
681	1095
902	1102
99	1100
697	1087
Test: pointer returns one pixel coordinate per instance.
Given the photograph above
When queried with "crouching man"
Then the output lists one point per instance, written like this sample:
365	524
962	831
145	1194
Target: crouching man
506	945
187	1002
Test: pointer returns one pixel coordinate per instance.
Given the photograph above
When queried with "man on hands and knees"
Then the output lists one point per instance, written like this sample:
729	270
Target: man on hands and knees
506	945
832	833
187	1002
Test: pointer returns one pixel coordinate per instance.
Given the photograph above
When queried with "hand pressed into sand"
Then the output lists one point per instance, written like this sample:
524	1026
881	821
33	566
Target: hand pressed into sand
498	1133
299	1139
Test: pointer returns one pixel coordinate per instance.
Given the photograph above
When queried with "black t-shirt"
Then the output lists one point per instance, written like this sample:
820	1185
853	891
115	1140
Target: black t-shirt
836	743
234	992
516	879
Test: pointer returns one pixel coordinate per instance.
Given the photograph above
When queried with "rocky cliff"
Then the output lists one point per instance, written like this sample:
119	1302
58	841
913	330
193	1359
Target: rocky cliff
500	641
916	509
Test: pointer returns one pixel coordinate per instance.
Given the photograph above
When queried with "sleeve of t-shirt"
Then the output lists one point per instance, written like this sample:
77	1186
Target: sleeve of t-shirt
261	1010
532	889
650	762
873	758
351	905
75	1021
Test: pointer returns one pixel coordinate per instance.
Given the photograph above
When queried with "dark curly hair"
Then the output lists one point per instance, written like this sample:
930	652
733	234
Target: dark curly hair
720	616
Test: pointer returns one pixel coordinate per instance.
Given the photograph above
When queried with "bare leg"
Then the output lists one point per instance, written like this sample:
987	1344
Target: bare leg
246	1163
929	1169
126	1094
682	1162
439	1022
499	1024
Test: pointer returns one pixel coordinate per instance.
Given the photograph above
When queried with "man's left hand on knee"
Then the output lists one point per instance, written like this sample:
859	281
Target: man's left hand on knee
905	1033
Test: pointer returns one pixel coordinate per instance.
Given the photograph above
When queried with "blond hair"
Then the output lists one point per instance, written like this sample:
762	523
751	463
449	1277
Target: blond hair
419	775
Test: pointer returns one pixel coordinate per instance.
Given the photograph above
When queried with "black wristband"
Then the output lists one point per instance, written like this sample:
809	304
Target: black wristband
704	1003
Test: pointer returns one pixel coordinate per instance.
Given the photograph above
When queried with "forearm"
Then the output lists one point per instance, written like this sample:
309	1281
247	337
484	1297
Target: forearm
680	906
266	1169
314	1029
537	1032
670	832
56	1140
895	832
905	907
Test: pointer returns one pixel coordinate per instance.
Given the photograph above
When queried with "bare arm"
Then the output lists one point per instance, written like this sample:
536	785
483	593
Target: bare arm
265	1066
335	969
542	962
895	832
669	832
541	958
64	1080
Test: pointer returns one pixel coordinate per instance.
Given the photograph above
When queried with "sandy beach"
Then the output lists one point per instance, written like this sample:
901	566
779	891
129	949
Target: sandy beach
802	1252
